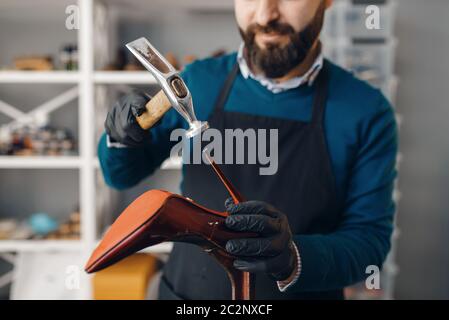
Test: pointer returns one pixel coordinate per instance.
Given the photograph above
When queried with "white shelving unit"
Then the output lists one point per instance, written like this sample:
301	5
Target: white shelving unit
86	162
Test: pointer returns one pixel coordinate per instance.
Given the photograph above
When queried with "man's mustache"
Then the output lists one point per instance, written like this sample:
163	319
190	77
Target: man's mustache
273	27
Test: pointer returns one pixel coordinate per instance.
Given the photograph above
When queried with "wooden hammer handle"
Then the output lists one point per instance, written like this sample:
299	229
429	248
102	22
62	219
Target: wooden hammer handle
156	108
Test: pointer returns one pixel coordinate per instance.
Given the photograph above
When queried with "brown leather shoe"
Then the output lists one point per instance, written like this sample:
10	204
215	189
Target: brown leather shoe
158	216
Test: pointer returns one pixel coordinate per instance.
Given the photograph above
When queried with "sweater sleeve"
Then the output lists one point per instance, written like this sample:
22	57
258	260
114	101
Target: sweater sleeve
333	261
125	167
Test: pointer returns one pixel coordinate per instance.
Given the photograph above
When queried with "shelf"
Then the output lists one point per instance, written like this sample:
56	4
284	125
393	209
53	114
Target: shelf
39	77
169	164
124	77
172	164
40	162
164	247
40	245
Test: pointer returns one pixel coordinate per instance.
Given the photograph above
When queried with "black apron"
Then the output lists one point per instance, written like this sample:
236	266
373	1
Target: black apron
303	188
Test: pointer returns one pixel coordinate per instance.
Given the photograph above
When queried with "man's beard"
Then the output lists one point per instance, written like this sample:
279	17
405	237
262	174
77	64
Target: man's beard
276	61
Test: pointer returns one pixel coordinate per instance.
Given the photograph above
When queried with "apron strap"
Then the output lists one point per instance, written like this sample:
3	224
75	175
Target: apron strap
224	93
320	98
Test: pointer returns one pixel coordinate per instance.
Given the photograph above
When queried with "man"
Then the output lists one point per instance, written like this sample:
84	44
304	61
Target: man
327	213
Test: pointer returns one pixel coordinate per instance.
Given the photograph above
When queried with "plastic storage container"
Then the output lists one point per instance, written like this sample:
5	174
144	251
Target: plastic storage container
347	19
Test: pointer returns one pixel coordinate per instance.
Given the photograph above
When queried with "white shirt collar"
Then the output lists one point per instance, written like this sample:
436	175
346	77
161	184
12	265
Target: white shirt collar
276	87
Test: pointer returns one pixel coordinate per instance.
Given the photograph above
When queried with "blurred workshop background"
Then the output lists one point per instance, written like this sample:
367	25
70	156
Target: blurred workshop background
63	63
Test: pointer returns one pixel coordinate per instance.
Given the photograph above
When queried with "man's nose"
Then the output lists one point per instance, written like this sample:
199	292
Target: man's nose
267	11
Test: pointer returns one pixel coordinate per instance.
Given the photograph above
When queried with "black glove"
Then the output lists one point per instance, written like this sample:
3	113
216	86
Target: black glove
272	251
121	124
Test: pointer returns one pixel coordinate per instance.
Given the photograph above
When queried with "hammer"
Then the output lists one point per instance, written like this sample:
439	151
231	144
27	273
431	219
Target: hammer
174	91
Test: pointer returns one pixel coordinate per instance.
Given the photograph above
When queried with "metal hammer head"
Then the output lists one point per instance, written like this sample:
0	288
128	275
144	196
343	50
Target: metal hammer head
169	79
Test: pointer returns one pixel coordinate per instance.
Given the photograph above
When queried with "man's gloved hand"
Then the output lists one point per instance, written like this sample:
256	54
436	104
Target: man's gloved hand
121	124
272	252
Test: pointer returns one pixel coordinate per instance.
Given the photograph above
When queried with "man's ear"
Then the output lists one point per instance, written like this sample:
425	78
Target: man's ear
328	3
